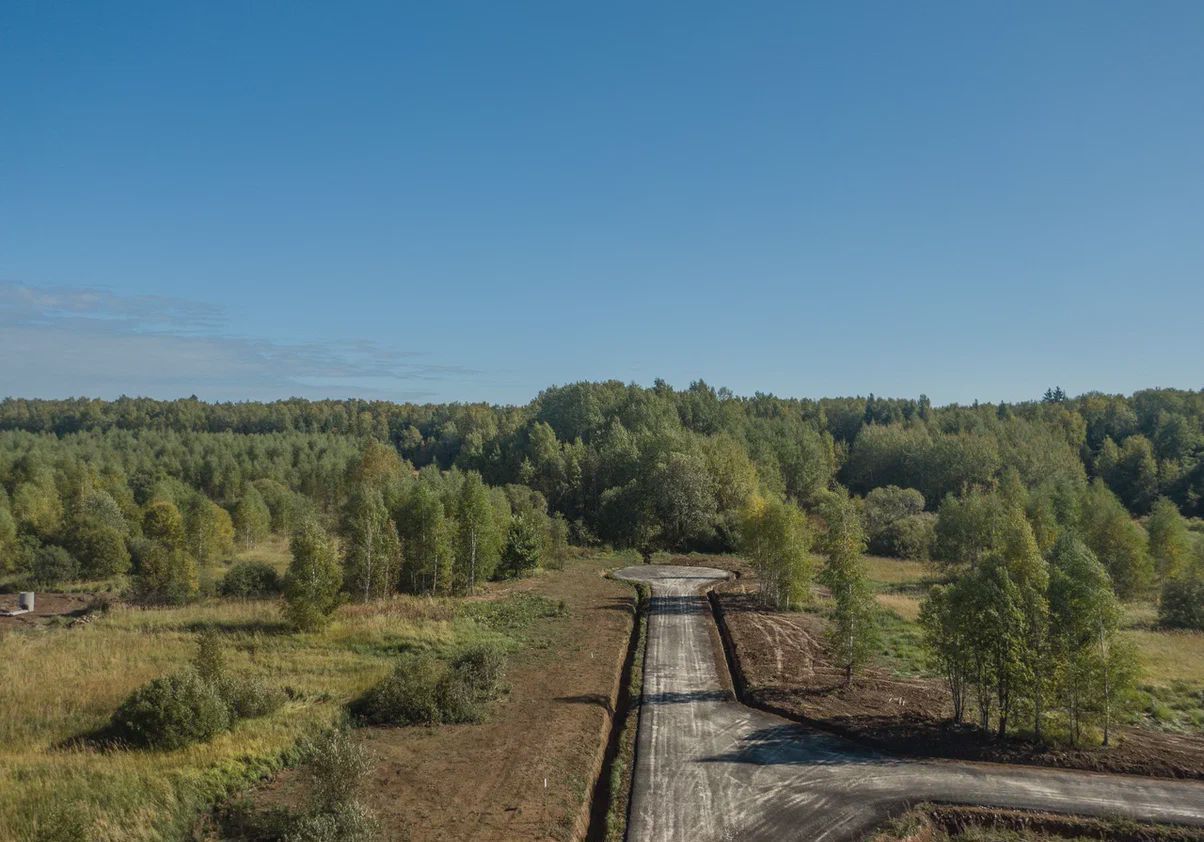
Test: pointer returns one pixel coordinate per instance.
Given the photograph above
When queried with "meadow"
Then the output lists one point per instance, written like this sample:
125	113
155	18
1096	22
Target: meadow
58	685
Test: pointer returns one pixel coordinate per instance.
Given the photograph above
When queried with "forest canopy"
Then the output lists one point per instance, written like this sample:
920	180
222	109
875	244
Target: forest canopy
622	464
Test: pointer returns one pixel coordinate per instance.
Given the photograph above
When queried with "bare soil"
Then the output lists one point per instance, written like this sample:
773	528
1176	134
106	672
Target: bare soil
48	609
936	823
780	665
528	772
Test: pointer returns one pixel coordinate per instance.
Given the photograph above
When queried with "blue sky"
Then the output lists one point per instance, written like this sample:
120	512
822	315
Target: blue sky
459	201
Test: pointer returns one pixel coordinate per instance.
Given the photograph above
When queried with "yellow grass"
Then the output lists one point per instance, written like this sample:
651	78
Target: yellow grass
1170	656
901	605
895	571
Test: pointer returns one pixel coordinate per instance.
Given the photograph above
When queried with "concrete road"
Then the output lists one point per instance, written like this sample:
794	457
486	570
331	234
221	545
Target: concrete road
709	768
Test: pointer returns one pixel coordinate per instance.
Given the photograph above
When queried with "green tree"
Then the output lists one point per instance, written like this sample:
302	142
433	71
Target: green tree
101	549
1182	602
208	529
947	633
995	610
683	500
1085	618
311	585
524	546
776	539
422	523
162	522
252	518
1116	539
853	633
478	544
372	550
165	572
1169	541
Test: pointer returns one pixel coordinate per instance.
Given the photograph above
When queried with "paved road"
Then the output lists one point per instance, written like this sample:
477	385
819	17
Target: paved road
709	768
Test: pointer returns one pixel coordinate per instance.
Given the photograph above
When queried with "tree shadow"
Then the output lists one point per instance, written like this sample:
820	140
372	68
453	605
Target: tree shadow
797	745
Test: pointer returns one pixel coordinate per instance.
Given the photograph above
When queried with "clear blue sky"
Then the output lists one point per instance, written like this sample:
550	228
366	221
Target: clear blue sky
474	200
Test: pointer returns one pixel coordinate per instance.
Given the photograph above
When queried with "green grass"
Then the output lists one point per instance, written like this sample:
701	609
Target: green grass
58	685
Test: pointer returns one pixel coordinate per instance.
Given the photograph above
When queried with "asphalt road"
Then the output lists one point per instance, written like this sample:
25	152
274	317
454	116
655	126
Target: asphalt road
709	768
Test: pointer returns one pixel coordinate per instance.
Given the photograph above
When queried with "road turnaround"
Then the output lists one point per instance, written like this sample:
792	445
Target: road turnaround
709	769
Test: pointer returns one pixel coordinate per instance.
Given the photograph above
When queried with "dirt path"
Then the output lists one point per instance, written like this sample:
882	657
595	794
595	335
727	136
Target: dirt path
709	768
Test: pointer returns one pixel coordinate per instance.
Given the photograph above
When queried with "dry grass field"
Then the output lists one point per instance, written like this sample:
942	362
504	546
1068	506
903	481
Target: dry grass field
58	684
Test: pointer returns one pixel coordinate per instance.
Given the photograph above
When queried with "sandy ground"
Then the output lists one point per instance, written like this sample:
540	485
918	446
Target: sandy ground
710	769
526	773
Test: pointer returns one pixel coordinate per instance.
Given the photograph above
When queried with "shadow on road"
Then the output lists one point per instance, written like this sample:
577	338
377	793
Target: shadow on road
780	745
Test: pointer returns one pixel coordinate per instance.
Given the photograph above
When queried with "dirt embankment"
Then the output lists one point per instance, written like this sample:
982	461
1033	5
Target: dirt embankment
780	665
941	823
528	772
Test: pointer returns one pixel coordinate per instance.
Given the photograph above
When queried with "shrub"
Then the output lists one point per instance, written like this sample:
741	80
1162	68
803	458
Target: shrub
248	698
171	712
472	680
51	565
349	823
410	696
250	580
335	766
424	690
911	537
1182	604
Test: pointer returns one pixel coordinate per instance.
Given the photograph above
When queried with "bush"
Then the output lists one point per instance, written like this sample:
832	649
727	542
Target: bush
1182	604
410	696
52	564
248	698
171	712
335	766
348	823
424	690
911	537
250	580
472	680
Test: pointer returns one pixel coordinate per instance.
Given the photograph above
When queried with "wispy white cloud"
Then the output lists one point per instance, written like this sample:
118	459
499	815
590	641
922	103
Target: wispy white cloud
57	341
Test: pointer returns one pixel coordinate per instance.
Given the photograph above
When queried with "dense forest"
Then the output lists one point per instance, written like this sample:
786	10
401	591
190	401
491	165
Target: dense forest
616	464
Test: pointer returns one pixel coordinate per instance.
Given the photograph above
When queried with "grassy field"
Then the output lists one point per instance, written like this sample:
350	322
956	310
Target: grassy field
60	684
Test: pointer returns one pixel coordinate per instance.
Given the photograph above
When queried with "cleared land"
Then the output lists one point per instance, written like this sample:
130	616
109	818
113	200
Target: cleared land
528	771
58	683
709	768
896	705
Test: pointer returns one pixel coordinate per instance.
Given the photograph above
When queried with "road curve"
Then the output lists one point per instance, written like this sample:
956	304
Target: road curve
709	768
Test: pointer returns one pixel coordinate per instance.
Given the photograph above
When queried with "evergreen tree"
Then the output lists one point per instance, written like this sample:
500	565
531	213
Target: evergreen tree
523	547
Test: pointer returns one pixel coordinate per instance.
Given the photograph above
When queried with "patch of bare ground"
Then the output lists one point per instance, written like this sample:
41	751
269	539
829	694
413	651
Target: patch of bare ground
780	665
529	770
939	823
49	608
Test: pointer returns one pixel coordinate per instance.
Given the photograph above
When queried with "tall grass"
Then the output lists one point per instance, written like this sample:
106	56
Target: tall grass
58	685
